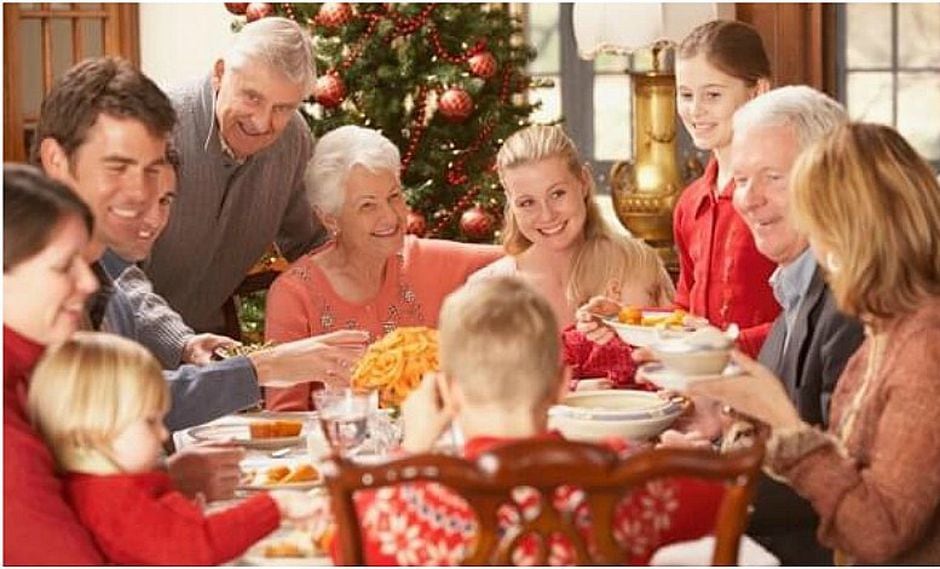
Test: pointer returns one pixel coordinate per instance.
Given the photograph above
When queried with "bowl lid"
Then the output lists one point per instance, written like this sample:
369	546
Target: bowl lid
615	405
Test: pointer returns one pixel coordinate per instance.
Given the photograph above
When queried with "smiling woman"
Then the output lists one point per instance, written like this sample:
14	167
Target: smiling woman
369	275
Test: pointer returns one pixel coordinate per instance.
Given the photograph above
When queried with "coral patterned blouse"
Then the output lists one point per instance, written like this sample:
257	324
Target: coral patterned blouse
302	303
722	275
427	524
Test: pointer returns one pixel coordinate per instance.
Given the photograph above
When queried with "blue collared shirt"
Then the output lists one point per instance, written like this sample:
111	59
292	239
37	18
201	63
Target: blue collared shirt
790	284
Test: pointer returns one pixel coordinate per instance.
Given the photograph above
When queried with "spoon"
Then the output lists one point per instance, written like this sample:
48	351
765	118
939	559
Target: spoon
281	452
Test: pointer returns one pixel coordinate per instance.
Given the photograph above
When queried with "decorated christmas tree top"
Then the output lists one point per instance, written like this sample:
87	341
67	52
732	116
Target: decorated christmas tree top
444	82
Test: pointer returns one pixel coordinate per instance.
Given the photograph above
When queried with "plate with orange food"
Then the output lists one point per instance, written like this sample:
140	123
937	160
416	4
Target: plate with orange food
280	476
646	326
254	433
291	548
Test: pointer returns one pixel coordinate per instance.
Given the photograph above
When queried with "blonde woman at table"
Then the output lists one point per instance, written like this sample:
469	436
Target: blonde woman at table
550	214
369	276
871	209
99	402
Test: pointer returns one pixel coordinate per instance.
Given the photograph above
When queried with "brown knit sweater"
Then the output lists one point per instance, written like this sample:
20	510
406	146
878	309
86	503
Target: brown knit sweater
878	494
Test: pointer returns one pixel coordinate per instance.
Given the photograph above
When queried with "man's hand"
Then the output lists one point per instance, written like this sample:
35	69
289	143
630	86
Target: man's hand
207	469
328	358
426	413
588	322
199	349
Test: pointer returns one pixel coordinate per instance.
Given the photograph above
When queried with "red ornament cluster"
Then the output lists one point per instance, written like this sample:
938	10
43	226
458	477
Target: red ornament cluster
237	8
483	65
405	25
258	10
455	104
334	14
329	90
476	224
417	128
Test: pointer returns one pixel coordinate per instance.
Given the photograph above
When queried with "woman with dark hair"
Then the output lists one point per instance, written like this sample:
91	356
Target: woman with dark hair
720	66
45	284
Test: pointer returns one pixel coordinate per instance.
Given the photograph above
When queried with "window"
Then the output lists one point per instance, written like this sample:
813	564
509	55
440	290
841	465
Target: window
592	97
889	69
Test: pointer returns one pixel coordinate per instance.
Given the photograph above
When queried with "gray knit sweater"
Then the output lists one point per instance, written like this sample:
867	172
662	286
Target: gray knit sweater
226	214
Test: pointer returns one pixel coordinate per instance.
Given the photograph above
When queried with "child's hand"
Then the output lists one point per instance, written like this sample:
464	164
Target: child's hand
588	319
426	413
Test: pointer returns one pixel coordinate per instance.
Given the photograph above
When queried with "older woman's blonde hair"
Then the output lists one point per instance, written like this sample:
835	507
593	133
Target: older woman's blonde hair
499	342
624	259
534	144
865	196
85	392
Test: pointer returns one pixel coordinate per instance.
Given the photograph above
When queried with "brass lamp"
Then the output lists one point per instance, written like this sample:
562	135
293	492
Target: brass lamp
646	188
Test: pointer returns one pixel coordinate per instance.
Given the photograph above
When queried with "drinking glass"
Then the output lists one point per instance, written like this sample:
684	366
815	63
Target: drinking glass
344	418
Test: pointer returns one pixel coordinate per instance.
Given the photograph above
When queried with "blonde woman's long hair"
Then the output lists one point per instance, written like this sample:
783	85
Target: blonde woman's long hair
85	392
620	257
534	144
863	194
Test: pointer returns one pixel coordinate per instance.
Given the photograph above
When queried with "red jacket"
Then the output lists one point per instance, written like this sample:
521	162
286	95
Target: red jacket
427	524
138	519
39	527
587	359
722	275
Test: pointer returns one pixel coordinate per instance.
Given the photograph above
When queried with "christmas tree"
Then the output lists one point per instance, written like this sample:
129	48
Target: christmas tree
445	82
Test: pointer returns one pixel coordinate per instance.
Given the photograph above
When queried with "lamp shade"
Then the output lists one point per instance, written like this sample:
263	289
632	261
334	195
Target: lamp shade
623	27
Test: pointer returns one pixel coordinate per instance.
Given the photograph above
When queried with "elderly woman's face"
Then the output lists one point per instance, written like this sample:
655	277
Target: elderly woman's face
44	296
372	219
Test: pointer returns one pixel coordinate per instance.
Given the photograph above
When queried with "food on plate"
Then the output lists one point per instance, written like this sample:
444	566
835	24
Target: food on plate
283	548
264	429
394	365
630	315
280	474
635	317
299	543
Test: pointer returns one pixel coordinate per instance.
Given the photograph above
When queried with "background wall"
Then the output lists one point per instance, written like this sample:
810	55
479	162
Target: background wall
181	41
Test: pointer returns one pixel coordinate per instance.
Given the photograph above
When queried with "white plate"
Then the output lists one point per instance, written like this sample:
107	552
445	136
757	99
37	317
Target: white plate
239	434
257	468
665	378
255	554
643	336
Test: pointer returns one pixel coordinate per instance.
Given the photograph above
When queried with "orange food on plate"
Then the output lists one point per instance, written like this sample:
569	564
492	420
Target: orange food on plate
283	548
303	472
277	474
324	541
630	315
394	365
281	428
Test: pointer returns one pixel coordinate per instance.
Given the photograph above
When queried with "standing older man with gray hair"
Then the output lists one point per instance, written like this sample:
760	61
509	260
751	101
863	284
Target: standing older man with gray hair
810	342
244	146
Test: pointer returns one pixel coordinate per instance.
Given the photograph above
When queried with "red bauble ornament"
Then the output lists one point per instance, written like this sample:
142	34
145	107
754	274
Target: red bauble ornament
258	10
416	224
455	104
334	14
476	224
483	64
236	8
329	90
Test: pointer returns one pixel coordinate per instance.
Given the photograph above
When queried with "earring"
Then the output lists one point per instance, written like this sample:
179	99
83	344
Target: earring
833	263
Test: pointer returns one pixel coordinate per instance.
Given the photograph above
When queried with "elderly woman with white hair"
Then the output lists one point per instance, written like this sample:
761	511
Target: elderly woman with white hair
369	275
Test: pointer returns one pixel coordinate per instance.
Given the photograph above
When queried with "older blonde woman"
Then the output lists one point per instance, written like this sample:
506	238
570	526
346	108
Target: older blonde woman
550	214
369	275
871	209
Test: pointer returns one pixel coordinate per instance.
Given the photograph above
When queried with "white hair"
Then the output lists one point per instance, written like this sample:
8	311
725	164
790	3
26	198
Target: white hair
277	43
811	113
335	155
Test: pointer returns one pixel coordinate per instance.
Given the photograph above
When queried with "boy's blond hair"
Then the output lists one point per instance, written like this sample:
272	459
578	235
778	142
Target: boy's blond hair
621	257
85	392
499	342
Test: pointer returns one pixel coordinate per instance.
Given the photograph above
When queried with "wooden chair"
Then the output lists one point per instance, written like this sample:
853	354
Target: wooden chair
487	482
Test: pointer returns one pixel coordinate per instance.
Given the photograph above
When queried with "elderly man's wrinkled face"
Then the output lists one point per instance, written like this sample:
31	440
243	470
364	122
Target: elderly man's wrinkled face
372	219
761	159
254	104
117	171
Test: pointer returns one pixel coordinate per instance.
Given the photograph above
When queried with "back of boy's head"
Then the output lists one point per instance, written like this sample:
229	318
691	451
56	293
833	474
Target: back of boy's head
499	342
621	257
86	391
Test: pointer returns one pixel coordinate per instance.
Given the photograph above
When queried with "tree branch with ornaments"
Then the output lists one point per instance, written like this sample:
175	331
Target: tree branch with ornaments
445	82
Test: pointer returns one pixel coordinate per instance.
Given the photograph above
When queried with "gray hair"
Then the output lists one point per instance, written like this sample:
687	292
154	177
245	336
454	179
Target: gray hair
335	155
811	113
277	43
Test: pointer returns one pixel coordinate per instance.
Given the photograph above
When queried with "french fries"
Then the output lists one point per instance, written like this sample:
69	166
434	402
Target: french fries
394	365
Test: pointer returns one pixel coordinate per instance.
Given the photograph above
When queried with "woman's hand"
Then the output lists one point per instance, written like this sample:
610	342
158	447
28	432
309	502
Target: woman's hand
587	319
426	413
756	393
328	357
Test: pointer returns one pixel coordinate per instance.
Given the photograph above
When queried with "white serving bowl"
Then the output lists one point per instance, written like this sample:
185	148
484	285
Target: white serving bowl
596	415
642	336
687	359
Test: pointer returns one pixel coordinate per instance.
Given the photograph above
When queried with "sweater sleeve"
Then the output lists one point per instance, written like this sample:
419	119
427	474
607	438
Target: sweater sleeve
878	507
300	230
203	393
287	318
160	328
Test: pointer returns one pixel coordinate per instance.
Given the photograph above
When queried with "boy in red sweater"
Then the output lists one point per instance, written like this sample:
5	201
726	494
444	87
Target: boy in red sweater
99	402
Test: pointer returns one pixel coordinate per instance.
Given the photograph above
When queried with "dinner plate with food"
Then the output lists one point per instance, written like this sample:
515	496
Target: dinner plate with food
280	476
291	547
646	326
253	433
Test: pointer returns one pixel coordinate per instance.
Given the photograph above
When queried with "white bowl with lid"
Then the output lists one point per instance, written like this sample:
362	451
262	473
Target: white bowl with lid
597	415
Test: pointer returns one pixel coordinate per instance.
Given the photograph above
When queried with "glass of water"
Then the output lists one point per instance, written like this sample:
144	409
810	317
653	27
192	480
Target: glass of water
344	417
